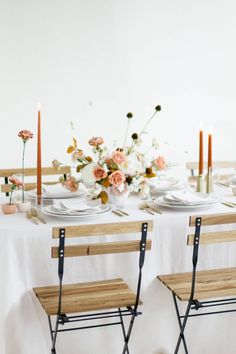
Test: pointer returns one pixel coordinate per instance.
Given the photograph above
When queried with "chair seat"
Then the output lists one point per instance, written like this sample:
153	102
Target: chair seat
210	284
85	297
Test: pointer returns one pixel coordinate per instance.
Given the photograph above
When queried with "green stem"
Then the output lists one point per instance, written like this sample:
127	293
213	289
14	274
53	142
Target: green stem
11	196
147	123
126	133
23	172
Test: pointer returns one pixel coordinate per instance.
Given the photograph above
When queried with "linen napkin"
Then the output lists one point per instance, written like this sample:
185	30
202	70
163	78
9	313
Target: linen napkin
75	206
187	197
50	190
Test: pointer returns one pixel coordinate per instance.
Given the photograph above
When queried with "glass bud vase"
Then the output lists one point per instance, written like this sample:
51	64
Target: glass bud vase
117	198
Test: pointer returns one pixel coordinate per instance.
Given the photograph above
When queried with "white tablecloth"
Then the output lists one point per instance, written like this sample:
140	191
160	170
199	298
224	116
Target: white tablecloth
25	262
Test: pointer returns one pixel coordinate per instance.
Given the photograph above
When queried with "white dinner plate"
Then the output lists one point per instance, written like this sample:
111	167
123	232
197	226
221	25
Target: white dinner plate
104	209
67	194
160	201
165	185
196	198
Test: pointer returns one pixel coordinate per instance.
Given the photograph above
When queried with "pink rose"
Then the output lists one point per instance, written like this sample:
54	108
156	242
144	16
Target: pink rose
99	173
118	157
96	140
77	154
71	184
116	178
25	135
160	162
15	181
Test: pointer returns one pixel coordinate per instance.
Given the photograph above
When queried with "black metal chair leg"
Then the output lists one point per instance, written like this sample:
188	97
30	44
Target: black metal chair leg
180	324
123	327
50	327
54	336
125	349
181	335
53	351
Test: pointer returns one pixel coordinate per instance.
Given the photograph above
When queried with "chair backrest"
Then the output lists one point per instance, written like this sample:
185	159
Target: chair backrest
224	168
109	229
31	172
204	237
213	236
141	227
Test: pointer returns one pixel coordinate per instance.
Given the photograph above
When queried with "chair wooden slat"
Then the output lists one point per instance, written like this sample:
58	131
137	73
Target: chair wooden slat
209	283
223	166
6	188
214	219
30	172
102	229
216	164
213	237
101	248
99	295
46	171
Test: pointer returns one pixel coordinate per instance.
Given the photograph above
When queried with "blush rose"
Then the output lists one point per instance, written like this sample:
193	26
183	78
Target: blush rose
117	178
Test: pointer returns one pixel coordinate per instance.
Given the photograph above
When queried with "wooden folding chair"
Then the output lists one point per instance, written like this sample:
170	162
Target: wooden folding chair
105	298
30	172
205	288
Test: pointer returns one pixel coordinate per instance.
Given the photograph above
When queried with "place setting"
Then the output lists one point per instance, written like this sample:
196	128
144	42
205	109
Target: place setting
165	183
75	209
187	199
56	191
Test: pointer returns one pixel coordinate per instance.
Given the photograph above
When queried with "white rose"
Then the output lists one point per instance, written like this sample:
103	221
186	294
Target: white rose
87	174
133	166
144	190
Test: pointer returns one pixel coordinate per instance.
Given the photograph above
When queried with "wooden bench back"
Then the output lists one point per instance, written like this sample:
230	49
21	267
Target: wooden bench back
30	172
216	164
220	165
110	229
214	236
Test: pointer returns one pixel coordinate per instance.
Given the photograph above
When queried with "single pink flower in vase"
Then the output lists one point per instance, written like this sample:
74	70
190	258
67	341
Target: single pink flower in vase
10	208
25	135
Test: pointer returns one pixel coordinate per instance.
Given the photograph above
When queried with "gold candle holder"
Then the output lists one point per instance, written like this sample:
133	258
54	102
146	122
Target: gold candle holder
200	184
209	183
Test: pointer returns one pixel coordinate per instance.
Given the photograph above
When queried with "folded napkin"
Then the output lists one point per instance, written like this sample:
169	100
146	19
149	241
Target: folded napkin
74	206
187	197
52	189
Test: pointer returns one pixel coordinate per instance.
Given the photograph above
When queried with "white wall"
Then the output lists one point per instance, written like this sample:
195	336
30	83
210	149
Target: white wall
92	61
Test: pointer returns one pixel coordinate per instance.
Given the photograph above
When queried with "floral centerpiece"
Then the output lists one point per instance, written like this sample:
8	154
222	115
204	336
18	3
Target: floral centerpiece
120	171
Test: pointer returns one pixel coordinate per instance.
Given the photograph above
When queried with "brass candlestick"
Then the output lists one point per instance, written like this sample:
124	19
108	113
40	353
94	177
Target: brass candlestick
209	184
200	184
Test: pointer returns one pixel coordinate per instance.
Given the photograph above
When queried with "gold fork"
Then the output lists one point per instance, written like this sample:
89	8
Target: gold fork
151	209
37	215
31	217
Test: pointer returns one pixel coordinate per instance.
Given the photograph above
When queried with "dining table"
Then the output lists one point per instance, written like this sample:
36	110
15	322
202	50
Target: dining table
25	263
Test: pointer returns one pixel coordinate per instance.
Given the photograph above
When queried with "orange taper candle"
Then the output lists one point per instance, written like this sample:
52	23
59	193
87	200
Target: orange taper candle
209	165
200	152
39	161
